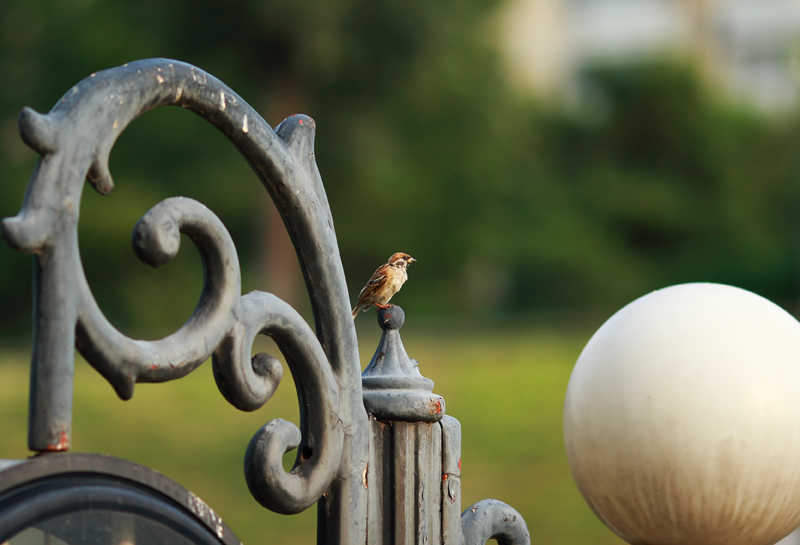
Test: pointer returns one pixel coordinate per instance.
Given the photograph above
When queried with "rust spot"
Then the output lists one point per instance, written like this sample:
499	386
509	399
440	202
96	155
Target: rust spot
300	121
445	477
474	509
62	445
459	464
436	407
153	367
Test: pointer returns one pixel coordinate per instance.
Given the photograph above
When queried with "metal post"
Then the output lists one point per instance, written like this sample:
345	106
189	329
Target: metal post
405	469
414	472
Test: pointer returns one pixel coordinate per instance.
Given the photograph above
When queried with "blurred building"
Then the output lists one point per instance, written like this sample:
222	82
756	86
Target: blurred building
747	49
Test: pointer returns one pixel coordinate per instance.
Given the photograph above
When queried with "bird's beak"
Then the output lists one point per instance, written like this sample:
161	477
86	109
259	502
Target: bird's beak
411	259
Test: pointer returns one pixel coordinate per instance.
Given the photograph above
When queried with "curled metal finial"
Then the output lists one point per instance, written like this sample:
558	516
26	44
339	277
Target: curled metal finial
37	131
493	519
75	139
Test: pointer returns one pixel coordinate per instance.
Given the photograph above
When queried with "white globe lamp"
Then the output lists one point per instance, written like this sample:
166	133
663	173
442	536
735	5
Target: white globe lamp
682	419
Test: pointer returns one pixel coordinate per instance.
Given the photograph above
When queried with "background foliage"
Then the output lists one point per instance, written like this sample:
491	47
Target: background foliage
510	206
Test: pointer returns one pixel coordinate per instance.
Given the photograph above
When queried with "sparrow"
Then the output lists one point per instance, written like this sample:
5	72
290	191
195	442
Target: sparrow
384	283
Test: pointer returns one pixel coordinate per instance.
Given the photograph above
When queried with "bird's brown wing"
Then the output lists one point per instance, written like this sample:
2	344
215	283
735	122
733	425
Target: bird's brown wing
377	280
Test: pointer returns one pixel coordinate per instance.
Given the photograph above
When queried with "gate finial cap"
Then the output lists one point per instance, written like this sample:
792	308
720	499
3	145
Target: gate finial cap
394	389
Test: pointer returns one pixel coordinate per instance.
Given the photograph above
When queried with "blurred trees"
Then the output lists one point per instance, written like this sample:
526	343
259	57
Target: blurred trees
508	205
670	186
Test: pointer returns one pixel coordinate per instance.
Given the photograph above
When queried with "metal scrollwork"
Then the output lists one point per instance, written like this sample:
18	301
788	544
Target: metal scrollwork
74	140
320	442
492	519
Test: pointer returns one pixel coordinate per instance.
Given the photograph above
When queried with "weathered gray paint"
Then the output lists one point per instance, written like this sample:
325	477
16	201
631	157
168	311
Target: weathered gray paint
95	469
489	519
387	473
451	481
393	387
404	481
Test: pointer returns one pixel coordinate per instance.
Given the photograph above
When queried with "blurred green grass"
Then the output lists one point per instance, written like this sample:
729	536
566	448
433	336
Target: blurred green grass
506	388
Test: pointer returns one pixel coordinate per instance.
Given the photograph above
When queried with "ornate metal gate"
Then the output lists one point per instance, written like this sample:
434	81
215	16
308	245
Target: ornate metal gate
375	452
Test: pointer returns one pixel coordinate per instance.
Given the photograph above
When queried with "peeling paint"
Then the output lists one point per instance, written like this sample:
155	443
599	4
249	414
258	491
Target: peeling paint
452	490
62	445
160	79
244	125
222	100
202	510
364	476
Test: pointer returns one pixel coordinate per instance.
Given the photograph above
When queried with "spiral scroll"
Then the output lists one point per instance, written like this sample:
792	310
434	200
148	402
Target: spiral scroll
74	140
